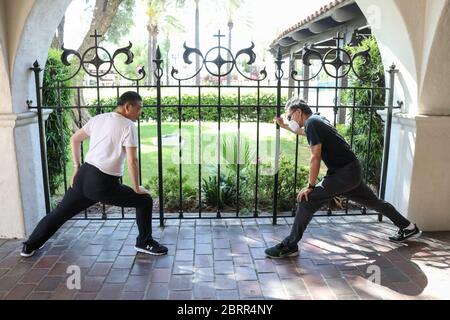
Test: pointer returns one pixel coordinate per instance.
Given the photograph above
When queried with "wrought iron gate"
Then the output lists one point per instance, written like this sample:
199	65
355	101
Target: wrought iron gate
218	63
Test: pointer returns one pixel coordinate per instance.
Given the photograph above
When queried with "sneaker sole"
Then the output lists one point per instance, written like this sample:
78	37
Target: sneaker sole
27	255
295	254
148	252
416	236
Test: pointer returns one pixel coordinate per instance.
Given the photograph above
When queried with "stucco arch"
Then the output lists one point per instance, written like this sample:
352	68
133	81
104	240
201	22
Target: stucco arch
35	39
404	38
436	75
5	89
396	47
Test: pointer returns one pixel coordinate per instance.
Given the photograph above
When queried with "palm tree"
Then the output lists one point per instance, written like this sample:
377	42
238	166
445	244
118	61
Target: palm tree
232	9
158	19
169	26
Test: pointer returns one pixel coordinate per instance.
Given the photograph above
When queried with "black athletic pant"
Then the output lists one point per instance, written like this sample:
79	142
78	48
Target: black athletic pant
346	181
92	186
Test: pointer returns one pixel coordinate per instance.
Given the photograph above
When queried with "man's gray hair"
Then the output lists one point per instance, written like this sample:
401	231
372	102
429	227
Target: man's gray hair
298	104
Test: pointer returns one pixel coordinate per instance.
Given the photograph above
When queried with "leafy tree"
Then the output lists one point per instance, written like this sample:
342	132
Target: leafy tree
57	129
121	23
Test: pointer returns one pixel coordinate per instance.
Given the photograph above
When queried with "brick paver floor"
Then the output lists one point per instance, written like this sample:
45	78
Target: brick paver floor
224	259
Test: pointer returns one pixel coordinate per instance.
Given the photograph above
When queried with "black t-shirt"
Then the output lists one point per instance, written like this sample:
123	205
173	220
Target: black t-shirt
336	152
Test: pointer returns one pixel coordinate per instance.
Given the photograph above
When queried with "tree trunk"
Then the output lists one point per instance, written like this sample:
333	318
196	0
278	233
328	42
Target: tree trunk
166	63
61	31
104	13
152	46
197	40
75	116
230	28
58	39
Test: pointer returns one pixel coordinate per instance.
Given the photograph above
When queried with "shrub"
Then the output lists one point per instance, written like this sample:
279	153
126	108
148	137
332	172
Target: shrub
364	117
212	194
57	126
209	110
286	185
171	187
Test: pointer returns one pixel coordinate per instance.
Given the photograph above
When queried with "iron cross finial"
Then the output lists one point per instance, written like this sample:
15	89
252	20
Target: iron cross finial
219	35
96	36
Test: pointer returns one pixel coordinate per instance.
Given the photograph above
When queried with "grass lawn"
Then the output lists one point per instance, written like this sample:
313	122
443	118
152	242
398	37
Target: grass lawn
209	142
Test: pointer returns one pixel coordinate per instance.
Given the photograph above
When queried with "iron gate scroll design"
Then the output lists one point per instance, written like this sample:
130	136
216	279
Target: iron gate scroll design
213	63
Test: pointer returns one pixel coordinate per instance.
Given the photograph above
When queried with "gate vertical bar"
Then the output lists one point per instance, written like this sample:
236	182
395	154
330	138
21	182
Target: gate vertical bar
122	209
387	136
294	210
37	70
180	154
219	141
238	157
80	125
60	113
258	116
158	74
200	152
279	76
99	110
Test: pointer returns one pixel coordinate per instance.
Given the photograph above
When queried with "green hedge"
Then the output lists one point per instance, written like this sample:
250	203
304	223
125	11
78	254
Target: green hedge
209	110
369	125
57	127
228	189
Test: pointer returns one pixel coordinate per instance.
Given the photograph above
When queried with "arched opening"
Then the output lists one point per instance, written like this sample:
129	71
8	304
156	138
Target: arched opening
396	47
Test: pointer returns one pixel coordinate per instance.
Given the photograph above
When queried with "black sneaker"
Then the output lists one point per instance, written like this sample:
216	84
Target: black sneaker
27	251
281	251
404	234
153	248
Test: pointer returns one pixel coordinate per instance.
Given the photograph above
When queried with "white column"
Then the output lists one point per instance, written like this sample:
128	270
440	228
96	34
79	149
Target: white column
429	202
11	214
401	158
21	183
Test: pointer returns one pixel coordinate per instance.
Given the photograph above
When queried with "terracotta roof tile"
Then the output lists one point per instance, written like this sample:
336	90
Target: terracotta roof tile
324	9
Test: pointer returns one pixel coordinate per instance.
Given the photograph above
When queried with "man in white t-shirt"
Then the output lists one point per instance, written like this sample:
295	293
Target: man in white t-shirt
113	138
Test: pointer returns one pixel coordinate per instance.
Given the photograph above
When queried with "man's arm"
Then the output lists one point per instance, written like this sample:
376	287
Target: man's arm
133	170
314	169
314	163
75	144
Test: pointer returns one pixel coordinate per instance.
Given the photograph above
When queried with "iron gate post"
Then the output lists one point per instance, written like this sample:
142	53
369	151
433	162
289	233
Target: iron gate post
387	136
37	70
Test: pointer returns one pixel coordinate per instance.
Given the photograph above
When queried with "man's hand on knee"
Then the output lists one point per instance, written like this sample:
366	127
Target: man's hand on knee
304	194
142	190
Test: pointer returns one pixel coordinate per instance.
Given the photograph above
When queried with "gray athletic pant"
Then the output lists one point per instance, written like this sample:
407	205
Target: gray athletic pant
346	181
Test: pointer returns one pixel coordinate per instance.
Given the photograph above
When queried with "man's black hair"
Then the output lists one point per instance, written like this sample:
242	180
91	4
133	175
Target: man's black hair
299	104
129	97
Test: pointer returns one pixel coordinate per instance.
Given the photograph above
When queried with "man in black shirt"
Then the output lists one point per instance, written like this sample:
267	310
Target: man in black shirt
344	177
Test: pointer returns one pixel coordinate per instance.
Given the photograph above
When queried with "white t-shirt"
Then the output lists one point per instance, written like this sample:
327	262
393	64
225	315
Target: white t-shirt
109	134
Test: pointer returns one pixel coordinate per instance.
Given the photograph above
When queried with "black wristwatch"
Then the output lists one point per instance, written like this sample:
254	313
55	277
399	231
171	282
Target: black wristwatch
311	186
